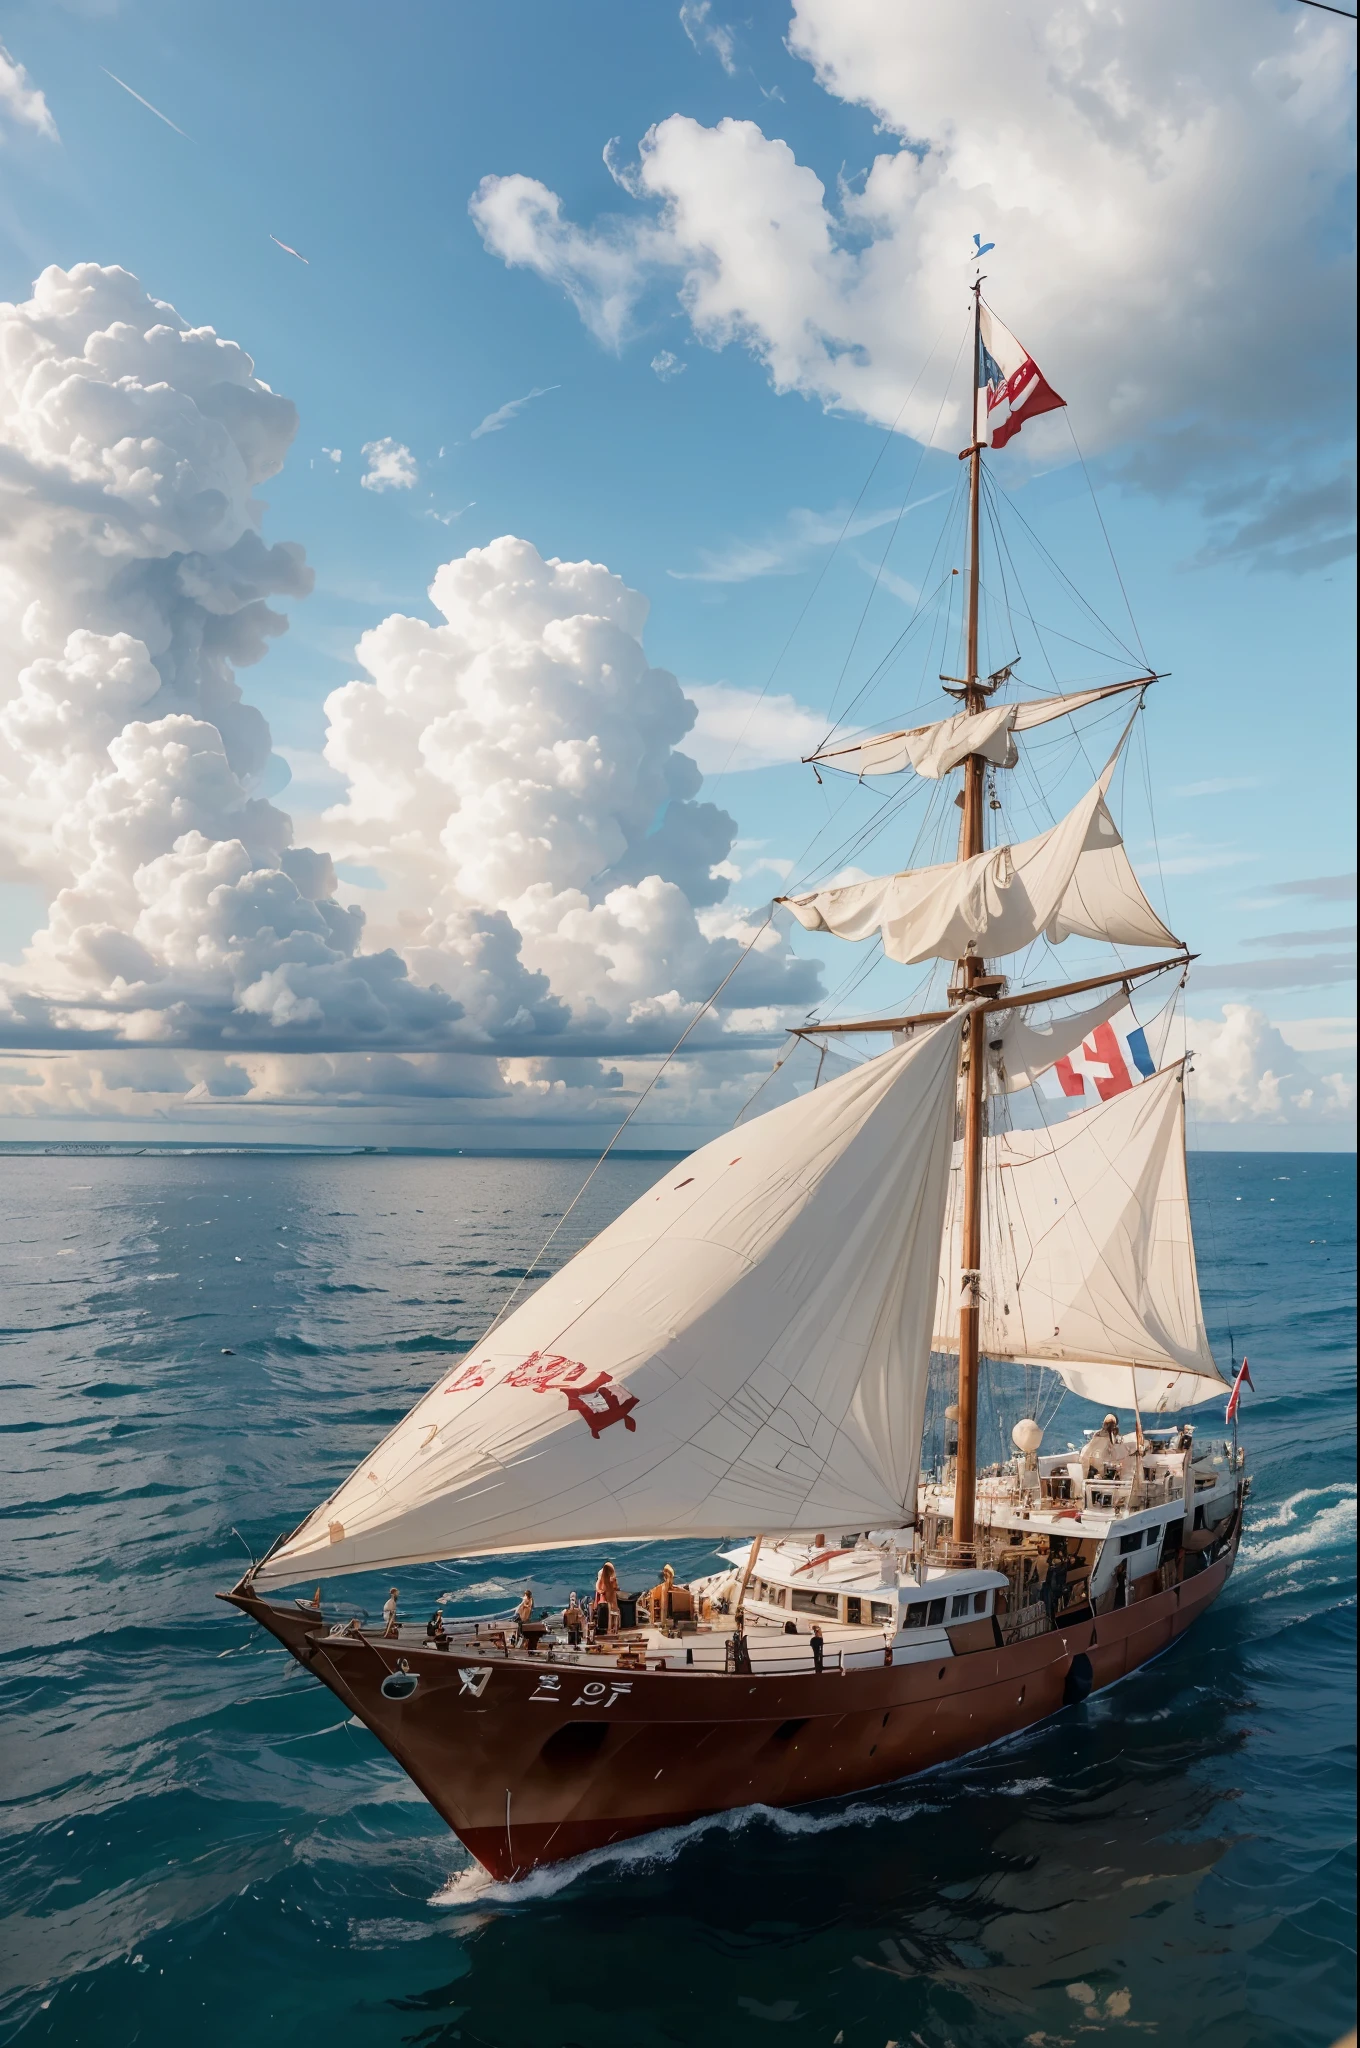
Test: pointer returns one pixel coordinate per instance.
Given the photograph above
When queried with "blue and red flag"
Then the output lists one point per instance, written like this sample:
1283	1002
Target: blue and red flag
1011	388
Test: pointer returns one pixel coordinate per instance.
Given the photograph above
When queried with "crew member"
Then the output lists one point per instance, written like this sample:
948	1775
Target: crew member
390	1624
607	1601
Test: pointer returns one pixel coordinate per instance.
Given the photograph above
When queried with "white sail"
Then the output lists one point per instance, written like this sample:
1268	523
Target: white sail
746	1347
932	750
1075	879
1088	1264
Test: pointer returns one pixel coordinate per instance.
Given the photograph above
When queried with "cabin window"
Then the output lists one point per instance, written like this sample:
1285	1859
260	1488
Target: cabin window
852	1607
1132	1541
805	1602
979	1603
916	1615
959	1605
880	1610
936	1613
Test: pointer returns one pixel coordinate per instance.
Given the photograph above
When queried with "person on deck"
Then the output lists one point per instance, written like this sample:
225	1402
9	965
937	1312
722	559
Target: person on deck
434	1628
1101	1458
607	1601
574	1622
659	1600
524	1613
741	1649
390	1623
818	1646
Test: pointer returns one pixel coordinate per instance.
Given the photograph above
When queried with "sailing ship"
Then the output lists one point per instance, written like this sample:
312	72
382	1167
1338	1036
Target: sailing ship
748	1348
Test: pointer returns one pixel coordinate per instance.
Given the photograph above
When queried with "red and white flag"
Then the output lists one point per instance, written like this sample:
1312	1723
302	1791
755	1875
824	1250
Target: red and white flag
1011	388
1236	1395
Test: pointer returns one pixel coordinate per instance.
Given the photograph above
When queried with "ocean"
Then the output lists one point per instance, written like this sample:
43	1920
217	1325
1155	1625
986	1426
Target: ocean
198	1843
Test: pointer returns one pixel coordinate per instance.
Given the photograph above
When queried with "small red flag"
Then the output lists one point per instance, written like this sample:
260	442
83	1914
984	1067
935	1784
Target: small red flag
1236	1395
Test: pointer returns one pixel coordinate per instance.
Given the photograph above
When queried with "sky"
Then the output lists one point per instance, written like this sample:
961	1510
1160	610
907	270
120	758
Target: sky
455	462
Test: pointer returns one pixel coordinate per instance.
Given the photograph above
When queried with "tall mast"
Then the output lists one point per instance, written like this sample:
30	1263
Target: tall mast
971	970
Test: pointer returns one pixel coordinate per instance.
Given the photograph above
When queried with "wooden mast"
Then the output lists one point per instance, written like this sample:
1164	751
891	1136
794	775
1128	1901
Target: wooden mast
971	969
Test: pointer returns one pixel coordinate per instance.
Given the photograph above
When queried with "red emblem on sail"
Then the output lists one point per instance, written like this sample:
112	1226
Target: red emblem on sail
599	1406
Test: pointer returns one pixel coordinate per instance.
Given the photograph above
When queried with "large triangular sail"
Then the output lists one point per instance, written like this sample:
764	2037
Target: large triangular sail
746	1347
1088	1264
933	750
1074	880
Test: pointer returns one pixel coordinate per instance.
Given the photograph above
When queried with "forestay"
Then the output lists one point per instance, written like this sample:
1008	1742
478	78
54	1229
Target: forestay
932	750
746	1347
1088	1264
1075	879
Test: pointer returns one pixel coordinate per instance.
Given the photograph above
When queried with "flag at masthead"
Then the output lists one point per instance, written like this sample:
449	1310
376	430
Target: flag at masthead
1011	388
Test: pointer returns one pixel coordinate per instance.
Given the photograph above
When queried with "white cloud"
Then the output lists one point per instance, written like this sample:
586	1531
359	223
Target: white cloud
1217	785
336	454
1107	152
21	101
136	583
788	550
706	34
1246	1072
503	414
514	801
1319	1034
516	775
391	466
738	729
667	365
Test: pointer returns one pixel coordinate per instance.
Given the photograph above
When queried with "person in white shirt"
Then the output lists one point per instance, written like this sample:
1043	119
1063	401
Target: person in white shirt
390	1613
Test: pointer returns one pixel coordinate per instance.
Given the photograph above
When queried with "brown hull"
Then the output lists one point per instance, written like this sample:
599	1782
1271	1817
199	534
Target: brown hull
528	1773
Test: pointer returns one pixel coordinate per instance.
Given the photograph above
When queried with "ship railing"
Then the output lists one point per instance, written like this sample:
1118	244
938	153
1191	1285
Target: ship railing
1031	1620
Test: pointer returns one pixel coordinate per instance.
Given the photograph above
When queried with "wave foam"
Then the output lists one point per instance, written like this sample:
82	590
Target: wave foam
476	1887
1331	1525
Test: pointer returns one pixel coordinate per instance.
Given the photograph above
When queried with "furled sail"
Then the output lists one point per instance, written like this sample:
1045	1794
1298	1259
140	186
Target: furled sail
1075	879
932	750
746	1347
1088	1264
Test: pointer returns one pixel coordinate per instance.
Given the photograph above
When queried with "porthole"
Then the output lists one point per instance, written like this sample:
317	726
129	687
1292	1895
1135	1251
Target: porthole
399	1685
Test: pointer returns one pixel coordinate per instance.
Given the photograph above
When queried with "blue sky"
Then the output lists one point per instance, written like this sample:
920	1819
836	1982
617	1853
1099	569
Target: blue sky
665	450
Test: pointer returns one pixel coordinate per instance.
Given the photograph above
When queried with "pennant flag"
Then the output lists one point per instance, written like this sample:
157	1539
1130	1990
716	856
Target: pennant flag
1116	1056
1236	1395
1010	386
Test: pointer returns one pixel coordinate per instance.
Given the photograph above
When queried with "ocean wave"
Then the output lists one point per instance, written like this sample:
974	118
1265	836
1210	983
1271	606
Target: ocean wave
1331	1525
477	1887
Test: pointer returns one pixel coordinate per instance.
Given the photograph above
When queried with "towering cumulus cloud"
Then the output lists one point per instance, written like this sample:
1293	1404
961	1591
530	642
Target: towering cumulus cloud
513	772
137	583
514	776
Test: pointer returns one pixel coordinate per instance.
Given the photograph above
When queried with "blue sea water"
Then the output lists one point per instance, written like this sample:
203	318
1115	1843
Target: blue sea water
198	1843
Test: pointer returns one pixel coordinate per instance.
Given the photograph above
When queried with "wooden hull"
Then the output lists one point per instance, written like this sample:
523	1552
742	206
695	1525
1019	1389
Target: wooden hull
528	1769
